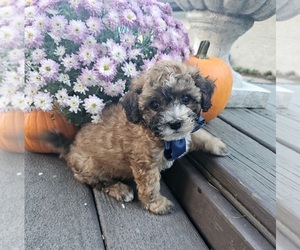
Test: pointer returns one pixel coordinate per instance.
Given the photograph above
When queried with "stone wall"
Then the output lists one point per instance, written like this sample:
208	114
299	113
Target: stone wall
288	46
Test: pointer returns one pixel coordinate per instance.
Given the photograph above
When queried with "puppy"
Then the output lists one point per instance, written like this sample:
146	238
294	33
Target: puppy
162	105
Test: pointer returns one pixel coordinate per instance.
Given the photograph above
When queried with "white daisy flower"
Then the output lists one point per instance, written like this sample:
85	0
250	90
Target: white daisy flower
93	105
130	69
80	87
62	97
74	102
43	101
118	53
64	78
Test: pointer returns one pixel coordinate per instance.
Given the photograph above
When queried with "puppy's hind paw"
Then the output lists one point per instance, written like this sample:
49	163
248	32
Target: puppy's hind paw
120	192
160	206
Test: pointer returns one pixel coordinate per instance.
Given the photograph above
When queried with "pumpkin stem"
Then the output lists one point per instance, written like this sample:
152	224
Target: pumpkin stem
203	48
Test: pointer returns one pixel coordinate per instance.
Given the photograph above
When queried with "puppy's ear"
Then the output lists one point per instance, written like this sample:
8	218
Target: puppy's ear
130	101
207	87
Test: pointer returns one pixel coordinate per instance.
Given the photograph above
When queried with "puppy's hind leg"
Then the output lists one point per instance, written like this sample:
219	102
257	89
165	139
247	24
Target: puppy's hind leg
202	140
119	191
85	171
115	189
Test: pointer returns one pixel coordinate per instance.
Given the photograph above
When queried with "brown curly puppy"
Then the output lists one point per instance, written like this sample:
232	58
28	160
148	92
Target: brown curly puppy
162	104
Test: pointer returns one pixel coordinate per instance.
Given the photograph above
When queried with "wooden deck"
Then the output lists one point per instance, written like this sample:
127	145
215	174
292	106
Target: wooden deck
231	200
288	173
221	202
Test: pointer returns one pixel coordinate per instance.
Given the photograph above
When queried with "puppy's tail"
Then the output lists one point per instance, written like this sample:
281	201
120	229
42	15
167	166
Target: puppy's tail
58	142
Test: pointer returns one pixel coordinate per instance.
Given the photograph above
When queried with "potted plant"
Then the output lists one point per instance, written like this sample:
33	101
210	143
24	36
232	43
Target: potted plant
81	55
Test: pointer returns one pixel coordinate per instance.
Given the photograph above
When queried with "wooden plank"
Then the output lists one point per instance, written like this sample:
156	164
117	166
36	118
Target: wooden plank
222	225
258	124
253	125
60	212
283	242
287	132
288	193
269	112
247	174
129	226
293	109
292	112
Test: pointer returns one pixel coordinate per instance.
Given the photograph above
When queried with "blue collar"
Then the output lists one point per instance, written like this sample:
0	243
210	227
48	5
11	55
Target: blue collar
175	149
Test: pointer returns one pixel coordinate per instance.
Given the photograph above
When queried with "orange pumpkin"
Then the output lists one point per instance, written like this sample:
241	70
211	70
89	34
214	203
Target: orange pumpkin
12	131
218	71
37	122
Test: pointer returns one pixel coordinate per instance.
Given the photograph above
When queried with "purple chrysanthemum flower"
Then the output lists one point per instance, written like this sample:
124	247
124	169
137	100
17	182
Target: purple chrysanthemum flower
38	55
112	19
118	53
36	79
31	89
148	63
127	39
9	38
88	77
160	25
149	21
41	22
86	55
106	68
77	30
70	62
58	25
49	69
90	41
112	89
164	56
93	6
16	55
134	53
128	17
30	12
33	37
94	25
159	44
120	85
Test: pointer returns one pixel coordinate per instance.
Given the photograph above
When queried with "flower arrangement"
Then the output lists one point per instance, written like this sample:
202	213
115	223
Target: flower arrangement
80	55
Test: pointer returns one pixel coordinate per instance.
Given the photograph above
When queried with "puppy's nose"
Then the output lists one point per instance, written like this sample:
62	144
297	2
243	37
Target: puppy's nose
175	125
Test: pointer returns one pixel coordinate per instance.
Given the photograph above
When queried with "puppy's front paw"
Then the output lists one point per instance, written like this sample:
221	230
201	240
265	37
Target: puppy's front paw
160	206
217	147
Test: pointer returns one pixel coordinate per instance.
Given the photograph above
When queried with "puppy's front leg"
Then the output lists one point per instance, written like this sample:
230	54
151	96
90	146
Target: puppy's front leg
148	185
202	140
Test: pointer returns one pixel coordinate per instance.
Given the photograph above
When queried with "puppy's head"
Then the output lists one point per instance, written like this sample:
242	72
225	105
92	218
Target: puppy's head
168	99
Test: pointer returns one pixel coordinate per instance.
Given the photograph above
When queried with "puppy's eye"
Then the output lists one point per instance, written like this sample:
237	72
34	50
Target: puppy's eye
186	99
154	105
